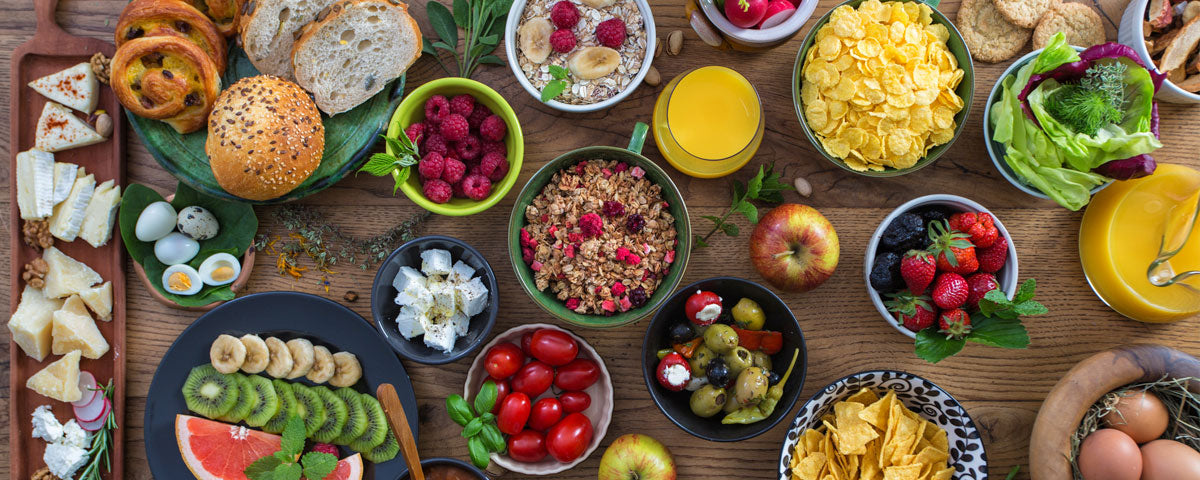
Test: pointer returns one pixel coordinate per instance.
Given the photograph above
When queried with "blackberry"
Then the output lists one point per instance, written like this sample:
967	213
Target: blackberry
885	273
637	297
635	223
906	232
933	213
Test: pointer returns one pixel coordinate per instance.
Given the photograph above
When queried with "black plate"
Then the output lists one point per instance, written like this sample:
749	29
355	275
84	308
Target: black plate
285	315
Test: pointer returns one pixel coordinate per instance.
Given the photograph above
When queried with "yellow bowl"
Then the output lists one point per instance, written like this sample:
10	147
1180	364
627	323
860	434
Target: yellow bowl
412	110
689	163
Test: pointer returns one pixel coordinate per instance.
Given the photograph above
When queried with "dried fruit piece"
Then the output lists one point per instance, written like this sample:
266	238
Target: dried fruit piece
593	62
534	38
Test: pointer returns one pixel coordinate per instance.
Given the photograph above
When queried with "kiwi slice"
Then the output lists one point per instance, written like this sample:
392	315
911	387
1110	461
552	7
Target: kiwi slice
377	426
356	416
210	393
312	408
385	451
336	414
268	401
287	407
246	400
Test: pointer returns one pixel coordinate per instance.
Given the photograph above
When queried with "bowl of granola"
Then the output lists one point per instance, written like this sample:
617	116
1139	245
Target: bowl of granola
600	236
592	52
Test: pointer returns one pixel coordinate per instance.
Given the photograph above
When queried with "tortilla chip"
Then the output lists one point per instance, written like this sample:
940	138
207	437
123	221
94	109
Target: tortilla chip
853	431
864	396
906	472
812	441
877	413
811	467
944	474
939	440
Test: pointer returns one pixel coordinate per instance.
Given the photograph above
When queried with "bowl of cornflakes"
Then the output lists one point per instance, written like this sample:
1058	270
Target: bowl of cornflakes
879	87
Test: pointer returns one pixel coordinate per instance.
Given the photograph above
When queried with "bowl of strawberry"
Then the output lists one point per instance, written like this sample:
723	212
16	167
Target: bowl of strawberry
942	269
554	397
456	146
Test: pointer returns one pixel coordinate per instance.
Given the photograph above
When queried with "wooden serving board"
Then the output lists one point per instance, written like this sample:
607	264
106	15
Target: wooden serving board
52	49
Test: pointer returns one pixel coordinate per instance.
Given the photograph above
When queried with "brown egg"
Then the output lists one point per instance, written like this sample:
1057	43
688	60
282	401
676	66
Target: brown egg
1108	454
1141	415
1169	460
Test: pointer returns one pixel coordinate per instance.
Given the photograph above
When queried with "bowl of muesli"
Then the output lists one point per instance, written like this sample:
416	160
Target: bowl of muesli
600	236
592	52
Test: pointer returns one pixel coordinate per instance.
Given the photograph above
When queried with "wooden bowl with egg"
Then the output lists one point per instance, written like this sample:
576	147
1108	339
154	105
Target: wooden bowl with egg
1088	381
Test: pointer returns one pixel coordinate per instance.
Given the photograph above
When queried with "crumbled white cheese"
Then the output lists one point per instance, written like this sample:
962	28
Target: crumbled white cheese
45	425
440	336
416	296
407	278
439	300
677	374
75	435
409	322
472	297
435	262
443	299
709	313
63	460
461	273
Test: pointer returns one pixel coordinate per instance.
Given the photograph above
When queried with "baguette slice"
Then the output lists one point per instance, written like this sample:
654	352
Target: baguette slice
354	50
269	27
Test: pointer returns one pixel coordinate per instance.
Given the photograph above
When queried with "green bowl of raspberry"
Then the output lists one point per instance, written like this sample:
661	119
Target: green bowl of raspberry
599	237
469	142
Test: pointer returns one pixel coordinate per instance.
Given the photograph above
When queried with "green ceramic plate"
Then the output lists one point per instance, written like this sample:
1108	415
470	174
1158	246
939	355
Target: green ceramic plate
632	155
349	138
965	90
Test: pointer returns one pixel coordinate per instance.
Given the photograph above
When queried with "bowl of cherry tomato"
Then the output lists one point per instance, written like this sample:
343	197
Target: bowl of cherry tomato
554	397
724	359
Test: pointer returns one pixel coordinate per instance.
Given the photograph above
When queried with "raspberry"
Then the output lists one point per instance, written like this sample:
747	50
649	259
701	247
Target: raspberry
434	142
622	166
564	14
431	166
437	191
475	119
612	208
490	146
527	254
635	223
591	225
415	132
494	166
454	127
477	187
468	148
611	33
453	171
325	448
463	105
436	109
637	297
493	128
572	303
562	40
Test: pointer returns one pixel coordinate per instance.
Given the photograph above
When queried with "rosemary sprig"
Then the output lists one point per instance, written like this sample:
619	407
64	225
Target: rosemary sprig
102	442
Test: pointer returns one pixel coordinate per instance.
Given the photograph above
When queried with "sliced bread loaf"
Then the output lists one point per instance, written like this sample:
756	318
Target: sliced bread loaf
354	50
269	27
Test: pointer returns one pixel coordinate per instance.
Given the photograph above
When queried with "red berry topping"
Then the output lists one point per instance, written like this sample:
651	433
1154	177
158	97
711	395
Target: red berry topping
454	127
463	105
591	225
437	191
637	297
475	119
416	133
493	128
454	170
612	208
468	148
564	14
431	166
611	33
477	187
572	303
434	142
494	166
562	40
436	109
325	448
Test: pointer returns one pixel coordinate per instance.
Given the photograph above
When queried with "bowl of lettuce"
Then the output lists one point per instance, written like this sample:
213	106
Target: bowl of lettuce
1063	122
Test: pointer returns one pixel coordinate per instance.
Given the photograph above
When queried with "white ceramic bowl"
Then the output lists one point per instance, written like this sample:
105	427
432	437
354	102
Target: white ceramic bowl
599	412
1006	277
1130	33
754	37
511	50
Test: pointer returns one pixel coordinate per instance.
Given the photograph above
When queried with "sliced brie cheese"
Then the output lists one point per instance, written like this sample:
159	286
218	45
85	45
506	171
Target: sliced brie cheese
59	380
64	178
75	87
58	129
35	184
100	300
100	214
66	276
30	325
73	331
68	215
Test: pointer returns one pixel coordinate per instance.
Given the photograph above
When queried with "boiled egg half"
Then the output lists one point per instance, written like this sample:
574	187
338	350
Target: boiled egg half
220	269
182	280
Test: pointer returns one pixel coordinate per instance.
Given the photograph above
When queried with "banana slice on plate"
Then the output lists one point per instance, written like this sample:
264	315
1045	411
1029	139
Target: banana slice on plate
323	367
227	354
302	355
257	354
590	63
348	370
280	360
534	39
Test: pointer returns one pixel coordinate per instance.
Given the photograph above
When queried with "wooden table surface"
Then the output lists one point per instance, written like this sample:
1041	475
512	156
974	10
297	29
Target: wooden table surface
1002	389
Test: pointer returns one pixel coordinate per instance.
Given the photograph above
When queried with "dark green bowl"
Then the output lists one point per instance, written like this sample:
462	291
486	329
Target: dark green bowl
965	90
632	155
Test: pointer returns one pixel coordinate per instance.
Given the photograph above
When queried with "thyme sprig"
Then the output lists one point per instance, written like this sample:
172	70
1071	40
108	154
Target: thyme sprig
310	233
100	453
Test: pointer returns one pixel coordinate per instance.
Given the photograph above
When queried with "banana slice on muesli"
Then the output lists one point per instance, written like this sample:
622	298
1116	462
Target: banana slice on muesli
534	38
593	62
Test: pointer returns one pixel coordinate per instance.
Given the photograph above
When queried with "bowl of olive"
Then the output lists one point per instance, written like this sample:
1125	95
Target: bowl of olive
724	359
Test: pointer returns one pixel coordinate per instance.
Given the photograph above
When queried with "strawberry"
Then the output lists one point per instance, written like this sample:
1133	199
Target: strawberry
980	284
991	259
954	323
915	313
980	226
918	269
954	252
950	291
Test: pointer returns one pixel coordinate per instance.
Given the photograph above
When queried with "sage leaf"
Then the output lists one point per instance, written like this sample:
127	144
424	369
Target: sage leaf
443	23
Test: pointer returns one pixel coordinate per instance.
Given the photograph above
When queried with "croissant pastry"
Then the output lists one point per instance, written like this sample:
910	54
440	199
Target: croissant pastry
224	13
156	18
166	78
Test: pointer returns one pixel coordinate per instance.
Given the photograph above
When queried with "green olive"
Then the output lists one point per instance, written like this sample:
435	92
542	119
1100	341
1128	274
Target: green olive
738	359
761	359
748	315
700	359
731	403
751	386
708	401
720	338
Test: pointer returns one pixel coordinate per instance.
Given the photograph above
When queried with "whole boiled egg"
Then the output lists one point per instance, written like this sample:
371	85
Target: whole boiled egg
1169	460
220	269
1109	454
182	280
175	248
155	222
1139	414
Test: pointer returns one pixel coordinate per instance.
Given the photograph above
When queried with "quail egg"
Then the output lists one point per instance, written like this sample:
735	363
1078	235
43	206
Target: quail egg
182	280
197	223
155	222
220	269
175	248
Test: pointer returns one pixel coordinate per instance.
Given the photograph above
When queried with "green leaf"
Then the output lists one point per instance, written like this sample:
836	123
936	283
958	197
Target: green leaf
553	89
427	47
293	436
462	15
1013	473
492	40
380	164
739	192
479	452
444	46
772	187
486	398
747	210
700	243
492	438
400	176
1026	291
458	409
755	184
500	10
932	346
262	469
480	49
559	73
288	471
488	417
284	457
491	60
473	427
712	218
1029	308
999	333
318	464
730	229
443	23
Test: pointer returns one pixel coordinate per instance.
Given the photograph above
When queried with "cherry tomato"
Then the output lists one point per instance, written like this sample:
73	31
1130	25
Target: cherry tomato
553	347
533	379
503	360
569	438
514	412
546	412
527	446
575	401
502	390
526	339
579	374
702	307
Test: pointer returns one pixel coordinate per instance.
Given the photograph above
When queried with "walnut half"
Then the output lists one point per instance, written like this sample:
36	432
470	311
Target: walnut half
35	273
36	234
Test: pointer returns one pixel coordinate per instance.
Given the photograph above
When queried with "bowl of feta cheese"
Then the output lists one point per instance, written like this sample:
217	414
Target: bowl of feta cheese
434	299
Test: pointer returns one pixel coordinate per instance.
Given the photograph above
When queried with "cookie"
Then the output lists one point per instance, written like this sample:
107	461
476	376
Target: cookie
990	37
1024	13
1079	22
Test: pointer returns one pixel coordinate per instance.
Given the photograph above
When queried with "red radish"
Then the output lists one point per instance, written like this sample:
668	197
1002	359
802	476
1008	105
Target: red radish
778	11
92	410
98	422
87	385
745	13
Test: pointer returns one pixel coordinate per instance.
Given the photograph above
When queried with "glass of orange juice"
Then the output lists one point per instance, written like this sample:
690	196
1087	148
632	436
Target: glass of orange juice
708	122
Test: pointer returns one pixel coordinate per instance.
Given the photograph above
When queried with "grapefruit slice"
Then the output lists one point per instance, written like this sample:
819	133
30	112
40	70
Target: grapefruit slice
349	468
220	451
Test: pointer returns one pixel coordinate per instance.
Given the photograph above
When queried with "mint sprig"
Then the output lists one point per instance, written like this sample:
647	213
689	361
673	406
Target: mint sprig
998	324
397	165
555	87
765	187
287	463
483	437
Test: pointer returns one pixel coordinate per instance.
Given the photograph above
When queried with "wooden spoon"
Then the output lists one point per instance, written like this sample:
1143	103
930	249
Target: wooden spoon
386	394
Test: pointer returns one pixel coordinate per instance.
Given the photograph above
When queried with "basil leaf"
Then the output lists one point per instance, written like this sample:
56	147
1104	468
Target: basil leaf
486	398
488	417
492	439
462	13
443	23
933	347
458	409
473	427
479	452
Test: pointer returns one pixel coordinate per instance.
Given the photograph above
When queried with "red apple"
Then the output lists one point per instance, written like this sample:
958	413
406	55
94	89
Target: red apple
794	247
637	457
745	13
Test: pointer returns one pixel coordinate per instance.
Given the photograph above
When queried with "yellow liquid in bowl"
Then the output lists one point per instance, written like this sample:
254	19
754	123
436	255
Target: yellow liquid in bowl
713	113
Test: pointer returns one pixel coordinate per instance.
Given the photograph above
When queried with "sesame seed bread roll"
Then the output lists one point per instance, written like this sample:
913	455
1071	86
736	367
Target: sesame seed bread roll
265	137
